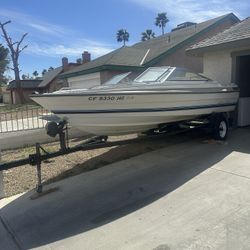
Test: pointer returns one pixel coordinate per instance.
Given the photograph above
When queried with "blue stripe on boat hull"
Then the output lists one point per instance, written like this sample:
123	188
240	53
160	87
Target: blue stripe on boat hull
140	110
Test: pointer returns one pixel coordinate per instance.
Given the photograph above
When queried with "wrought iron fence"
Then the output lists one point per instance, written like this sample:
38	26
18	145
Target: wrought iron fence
25	119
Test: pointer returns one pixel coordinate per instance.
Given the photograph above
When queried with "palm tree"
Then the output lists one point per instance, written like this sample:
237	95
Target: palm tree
35	74
147	35
44	72
122	36
161	20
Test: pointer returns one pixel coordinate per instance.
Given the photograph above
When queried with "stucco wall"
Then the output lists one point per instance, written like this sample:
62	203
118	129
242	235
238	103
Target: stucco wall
218	66
221	66
26	94
179	59
85	81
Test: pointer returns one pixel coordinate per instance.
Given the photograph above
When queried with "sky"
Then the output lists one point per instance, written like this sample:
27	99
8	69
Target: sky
62	28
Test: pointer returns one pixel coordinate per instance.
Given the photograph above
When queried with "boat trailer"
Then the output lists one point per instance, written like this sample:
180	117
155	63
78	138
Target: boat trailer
61	129
53	129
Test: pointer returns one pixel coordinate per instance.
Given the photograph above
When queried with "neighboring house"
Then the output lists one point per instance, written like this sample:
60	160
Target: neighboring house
48	83
28	86
168	49
52	81
226	58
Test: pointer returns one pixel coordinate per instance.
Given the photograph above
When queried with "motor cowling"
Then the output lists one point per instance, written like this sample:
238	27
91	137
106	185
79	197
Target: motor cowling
54	128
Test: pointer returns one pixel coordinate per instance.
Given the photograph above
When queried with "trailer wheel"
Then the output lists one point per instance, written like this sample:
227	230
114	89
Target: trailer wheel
220	128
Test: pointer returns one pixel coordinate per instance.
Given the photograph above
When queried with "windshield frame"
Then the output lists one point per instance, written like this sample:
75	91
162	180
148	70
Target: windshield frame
167	70
203	78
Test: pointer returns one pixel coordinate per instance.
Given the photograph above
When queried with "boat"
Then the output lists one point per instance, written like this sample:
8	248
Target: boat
123	105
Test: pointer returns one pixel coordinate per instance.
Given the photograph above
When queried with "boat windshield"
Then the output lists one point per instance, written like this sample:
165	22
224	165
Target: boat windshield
182	74
119	79
154	74
162	74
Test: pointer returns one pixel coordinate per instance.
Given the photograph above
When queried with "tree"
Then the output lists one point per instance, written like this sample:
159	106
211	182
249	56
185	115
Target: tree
24	77
3	63
44	72
15	51
35	74
122	36
147	35
79	60
47	70
161	20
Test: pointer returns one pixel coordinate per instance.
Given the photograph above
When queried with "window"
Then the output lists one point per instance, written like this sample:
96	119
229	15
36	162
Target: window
118	79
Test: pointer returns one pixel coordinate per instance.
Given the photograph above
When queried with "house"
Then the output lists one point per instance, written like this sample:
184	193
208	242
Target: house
226	58
52	81
168	49
48	83
28	86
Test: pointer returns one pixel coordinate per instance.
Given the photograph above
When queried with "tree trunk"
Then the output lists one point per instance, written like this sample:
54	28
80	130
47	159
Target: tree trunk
18	85
15	51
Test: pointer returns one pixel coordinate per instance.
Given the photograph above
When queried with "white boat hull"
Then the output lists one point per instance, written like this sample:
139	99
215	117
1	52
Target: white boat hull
134	112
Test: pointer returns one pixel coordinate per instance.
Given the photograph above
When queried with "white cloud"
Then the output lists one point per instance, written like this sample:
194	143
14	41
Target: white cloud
34	23
51	40
48	28
75	50
192	10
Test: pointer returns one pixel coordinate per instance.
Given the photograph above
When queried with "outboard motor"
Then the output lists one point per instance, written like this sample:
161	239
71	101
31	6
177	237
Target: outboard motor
53	129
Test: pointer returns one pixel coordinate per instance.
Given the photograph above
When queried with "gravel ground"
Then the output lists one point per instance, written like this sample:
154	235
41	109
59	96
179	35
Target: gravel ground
24	178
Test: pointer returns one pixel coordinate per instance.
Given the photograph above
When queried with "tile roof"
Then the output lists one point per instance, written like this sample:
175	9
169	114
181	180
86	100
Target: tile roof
238	32
143	53
25	84
125	56
49	76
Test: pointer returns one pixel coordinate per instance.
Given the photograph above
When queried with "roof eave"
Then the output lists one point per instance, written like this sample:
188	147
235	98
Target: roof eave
242	44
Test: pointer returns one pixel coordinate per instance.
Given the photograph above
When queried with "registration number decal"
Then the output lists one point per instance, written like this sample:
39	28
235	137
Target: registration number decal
110	98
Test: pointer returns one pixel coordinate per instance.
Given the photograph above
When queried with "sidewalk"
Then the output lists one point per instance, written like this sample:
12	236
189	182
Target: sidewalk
24	138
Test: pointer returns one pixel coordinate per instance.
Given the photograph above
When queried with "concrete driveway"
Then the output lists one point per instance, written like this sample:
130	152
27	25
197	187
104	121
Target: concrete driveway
191	195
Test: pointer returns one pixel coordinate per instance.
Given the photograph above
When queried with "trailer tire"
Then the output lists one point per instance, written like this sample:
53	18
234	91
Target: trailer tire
220	128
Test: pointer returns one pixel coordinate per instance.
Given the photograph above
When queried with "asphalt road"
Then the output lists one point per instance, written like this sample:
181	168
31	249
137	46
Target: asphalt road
192	195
